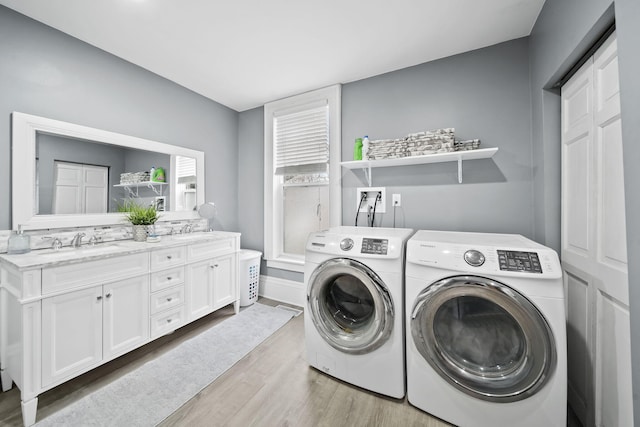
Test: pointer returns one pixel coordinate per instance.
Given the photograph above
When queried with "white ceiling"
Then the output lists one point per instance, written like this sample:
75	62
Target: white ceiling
244	53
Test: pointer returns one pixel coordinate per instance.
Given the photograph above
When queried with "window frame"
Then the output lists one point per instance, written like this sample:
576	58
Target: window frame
273	214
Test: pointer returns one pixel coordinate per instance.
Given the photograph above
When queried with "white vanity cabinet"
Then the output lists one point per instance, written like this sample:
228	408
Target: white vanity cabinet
59	319
211	277
81	328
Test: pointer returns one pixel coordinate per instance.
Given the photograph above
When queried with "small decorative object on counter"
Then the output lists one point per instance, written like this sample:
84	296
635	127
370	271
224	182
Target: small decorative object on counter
365	148
19	243
140	218
357	149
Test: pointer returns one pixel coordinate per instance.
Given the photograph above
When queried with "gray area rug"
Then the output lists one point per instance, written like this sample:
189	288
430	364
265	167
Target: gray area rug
148	395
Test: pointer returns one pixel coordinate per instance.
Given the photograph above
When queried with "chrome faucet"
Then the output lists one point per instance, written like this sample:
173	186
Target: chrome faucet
76	242
186	229
56	243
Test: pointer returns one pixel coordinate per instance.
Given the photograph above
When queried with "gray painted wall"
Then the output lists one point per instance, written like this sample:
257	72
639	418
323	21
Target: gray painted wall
482	94
564	29
50	74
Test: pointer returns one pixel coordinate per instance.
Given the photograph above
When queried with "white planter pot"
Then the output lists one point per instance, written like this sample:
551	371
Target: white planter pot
139	233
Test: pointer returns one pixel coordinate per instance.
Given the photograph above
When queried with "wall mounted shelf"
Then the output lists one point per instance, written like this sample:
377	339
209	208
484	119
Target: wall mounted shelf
455	156
156	187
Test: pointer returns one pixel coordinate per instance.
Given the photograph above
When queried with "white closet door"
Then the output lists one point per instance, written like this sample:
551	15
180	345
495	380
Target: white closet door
80	188
96	183
67	193
594	244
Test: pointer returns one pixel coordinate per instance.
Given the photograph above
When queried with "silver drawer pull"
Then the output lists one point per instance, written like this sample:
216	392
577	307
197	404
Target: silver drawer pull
169	299
168	256
99	297
108	295
168	277
169	320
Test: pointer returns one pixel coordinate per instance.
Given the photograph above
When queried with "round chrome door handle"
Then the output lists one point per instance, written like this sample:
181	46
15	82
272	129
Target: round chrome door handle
346	244
474	258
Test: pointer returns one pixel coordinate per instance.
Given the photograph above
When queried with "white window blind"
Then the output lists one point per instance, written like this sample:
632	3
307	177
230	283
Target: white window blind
302	141
185	169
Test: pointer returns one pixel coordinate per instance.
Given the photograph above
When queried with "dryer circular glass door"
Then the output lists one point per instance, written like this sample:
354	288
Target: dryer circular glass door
484	338
350	306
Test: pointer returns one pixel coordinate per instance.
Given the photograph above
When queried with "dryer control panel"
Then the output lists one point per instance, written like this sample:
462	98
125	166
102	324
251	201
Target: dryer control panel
374	246
519	261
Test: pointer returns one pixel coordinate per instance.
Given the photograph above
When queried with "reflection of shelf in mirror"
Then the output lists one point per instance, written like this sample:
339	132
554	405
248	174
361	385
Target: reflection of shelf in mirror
454	156
156	187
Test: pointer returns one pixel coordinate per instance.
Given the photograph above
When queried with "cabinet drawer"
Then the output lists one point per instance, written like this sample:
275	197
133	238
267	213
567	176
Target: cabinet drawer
102	271
167	321
167	298
167	278
168	257
205	250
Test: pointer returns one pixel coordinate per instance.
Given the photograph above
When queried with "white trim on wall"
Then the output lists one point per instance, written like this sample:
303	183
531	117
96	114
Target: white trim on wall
283	290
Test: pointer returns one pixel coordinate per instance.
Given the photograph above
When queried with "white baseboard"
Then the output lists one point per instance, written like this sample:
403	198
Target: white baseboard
283	290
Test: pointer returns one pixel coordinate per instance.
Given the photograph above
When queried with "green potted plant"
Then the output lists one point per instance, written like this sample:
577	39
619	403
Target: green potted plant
140	218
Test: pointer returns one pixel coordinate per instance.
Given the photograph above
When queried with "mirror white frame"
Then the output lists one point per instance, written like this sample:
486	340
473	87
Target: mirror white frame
25	128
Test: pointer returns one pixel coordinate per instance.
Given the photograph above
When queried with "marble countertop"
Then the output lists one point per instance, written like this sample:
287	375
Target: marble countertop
69	255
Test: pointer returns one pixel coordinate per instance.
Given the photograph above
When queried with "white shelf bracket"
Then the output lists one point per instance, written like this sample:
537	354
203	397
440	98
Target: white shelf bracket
459	170
153	188
367	174
131	193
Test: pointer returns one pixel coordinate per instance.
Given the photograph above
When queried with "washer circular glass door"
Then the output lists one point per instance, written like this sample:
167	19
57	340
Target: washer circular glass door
350	306
484	338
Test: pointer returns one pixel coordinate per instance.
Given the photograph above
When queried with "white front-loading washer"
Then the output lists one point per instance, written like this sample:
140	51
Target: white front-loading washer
486	334
354	317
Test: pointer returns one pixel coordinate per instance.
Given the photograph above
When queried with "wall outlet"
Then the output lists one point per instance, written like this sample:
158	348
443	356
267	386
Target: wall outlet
396	200
371	194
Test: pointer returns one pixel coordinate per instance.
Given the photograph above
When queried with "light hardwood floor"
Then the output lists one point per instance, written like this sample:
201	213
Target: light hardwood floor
271	386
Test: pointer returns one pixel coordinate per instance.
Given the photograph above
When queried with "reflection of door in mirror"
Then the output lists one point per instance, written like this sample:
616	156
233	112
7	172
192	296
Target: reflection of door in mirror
186	185
80	188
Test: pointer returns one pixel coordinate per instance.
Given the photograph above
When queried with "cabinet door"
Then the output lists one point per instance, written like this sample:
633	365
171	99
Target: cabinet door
126	315
224	280
199	289
71	334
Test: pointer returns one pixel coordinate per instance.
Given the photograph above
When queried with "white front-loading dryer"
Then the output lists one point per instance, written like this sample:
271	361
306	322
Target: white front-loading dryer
354	317
486	334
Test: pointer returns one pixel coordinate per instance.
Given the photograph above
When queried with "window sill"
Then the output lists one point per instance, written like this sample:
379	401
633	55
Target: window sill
287	263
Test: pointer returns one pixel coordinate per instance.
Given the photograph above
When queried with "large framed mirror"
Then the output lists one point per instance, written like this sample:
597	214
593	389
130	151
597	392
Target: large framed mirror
68	175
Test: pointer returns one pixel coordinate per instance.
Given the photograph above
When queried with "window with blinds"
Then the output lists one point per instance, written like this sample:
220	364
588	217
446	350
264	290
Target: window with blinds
301	173
185	169
302	141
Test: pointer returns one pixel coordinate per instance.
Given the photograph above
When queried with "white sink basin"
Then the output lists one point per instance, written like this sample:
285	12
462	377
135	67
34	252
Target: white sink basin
85	251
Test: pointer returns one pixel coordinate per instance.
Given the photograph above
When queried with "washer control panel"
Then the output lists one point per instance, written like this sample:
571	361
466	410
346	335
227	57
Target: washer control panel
374	246
519	261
